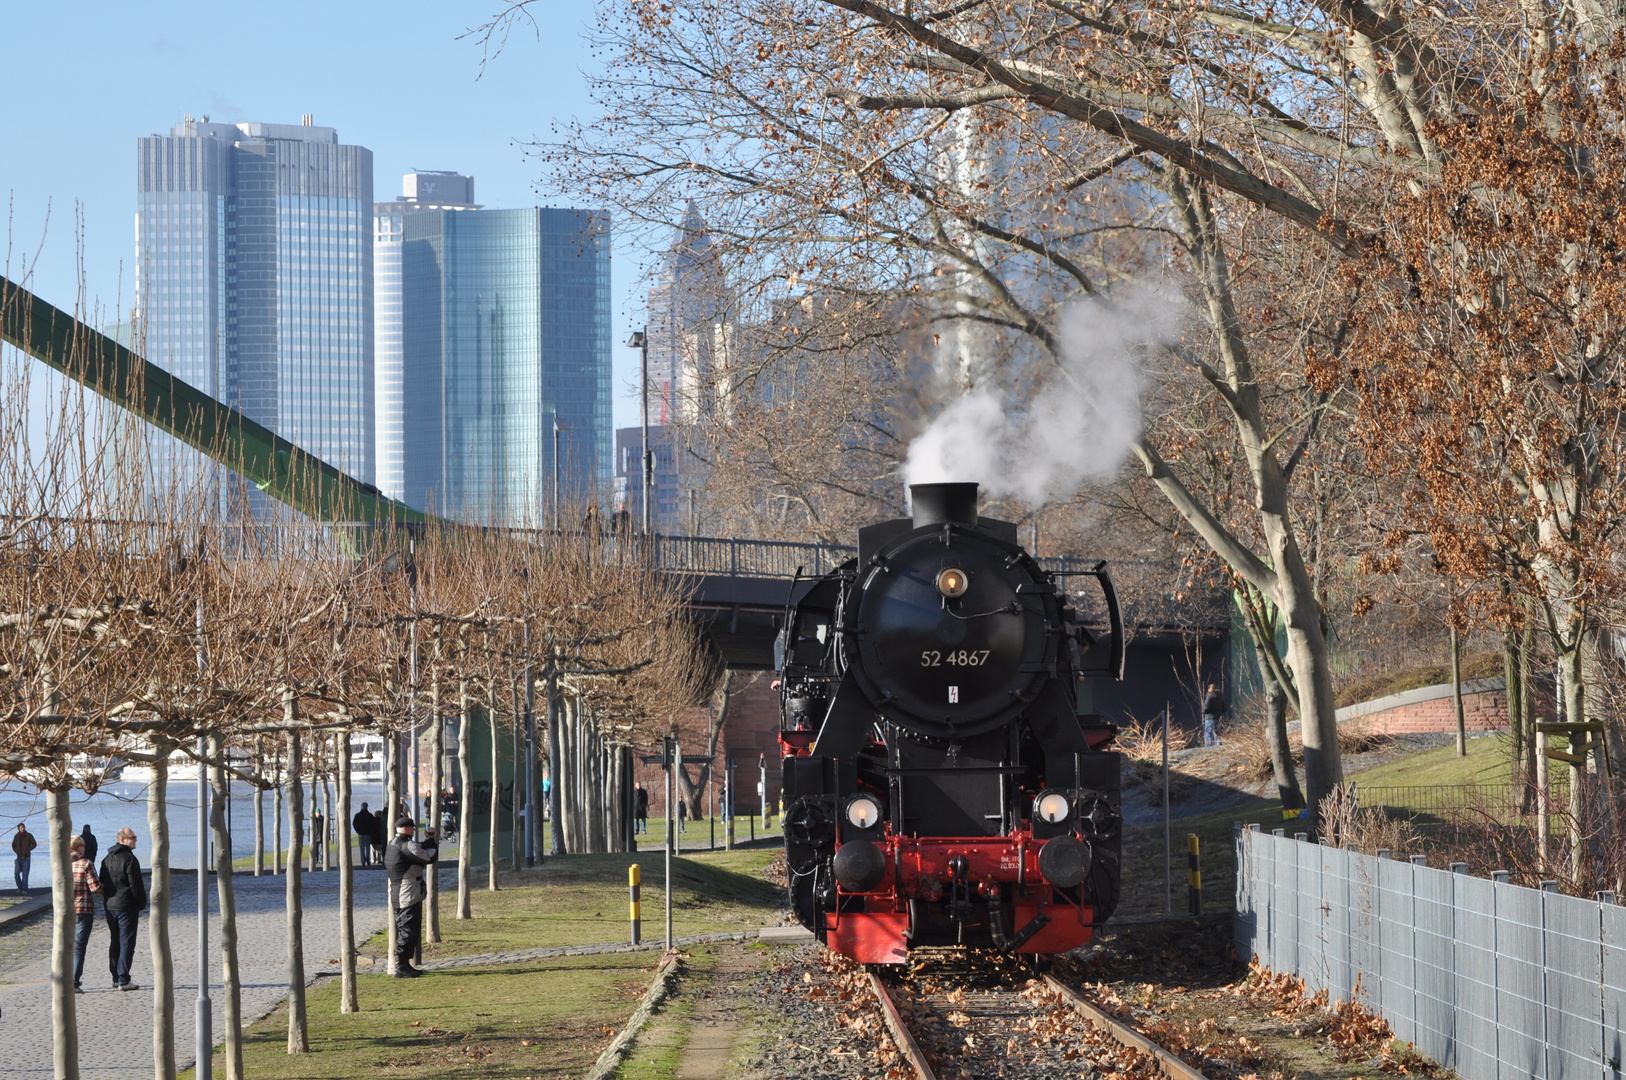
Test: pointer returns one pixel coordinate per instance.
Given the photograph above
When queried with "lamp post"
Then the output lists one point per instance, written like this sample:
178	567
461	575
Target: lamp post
640	341
203	1033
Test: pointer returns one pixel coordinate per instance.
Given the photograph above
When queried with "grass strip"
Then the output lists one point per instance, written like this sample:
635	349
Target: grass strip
582	899
541	1019
666	977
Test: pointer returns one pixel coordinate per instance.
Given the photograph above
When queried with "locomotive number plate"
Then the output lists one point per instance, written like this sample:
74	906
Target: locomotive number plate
961	658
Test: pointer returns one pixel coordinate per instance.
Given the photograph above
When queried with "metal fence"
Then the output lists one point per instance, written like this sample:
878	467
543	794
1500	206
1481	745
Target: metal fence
1493	980
1455	800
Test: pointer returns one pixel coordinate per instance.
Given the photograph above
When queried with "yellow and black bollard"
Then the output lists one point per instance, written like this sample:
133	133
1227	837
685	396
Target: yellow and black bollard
1194	873
634	879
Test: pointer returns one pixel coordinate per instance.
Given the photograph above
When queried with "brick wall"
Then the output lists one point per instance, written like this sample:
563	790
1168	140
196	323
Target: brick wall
750	730
1481	712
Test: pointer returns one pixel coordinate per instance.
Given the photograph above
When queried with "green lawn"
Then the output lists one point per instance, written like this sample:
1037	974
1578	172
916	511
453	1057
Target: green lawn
547	1019
582	899
537	1019
1488	762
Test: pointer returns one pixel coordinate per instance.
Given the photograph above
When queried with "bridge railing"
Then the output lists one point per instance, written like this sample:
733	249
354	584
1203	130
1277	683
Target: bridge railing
782	558
748	558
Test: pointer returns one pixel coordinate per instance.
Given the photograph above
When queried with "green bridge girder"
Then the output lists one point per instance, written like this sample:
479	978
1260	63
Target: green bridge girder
273	464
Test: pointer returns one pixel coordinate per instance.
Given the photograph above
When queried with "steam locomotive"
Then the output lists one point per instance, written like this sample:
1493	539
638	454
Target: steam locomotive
941	787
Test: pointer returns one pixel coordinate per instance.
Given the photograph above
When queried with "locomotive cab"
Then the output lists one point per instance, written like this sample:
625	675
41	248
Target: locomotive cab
940	784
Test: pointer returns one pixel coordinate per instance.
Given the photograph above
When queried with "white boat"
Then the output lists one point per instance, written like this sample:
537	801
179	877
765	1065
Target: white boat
366	759
180	768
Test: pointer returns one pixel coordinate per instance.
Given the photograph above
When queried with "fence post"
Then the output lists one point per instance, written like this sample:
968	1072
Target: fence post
1501	877
1382	853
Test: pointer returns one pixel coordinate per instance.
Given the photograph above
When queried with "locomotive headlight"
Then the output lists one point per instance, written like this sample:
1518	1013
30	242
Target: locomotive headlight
1051	807
863	812
953	583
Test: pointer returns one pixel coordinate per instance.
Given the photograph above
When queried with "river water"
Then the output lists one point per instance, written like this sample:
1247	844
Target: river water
124	803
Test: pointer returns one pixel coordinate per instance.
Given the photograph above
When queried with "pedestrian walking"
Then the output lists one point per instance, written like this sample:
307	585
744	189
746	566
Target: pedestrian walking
640	808
683	813
1214	707
124	897
91	846
364	826
22	846
379	822
318	834
404	861
85	884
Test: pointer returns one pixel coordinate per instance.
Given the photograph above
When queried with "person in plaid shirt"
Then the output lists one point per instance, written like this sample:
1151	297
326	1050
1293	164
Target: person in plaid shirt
84	908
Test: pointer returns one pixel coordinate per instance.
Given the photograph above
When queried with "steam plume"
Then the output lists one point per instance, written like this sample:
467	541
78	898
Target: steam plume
1061	439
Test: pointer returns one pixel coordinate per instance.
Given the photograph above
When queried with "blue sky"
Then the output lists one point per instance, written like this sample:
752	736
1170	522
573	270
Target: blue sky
88	79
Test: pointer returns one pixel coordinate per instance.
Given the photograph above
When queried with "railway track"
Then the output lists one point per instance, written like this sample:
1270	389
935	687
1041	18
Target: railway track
949	1028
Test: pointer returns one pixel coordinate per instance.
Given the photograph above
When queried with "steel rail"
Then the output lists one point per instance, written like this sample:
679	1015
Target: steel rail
1170	1064
900	1032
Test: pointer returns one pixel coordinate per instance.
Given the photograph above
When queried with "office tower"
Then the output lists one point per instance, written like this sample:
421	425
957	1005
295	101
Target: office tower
503	320
422	191
691	331
254	266
675	487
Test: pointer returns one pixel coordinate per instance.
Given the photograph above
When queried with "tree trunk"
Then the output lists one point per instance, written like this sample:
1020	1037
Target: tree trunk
1527	648
348	1002
231	976
298	1034
555	760
1272	672
64	1016
316	809
437	784
1456	692
163	959
465	825
1513	695
392	799
516	850
1307	656
278	775
1281	749
259	814
1572	686
496	801
329	833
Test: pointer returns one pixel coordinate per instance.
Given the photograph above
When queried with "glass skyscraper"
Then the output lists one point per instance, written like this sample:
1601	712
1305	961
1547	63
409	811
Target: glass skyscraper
503	324
254	265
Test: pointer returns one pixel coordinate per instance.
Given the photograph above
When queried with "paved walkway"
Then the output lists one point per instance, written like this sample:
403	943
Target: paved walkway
115	1028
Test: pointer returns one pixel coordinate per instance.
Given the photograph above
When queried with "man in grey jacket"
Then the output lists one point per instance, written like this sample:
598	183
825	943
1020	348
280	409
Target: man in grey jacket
404	862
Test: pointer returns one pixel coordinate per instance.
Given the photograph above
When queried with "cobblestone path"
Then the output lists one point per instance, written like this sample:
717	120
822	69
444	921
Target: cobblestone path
115	1028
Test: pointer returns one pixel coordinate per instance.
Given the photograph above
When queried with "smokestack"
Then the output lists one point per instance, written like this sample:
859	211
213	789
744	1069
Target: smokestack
933	504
